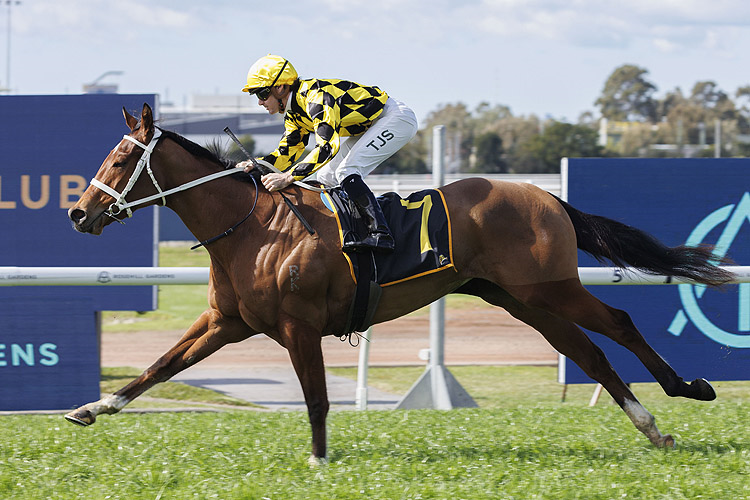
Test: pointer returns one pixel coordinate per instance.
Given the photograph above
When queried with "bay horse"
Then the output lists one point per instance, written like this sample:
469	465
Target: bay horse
515	246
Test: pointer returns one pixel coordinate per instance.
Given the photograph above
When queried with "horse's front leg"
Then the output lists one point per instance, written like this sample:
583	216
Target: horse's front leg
302	341
209	333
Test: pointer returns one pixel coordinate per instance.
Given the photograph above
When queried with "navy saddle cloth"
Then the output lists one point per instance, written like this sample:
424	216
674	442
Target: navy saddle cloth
420	224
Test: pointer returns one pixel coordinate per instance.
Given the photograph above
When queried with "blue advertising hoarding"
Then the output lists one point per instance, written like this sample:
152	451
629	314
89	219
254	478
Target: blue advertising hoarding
51	147
701	332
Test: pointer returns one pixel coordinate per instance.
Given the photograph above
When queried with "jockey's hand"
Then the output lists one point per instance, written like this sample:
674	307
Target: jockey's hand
247	165
276	181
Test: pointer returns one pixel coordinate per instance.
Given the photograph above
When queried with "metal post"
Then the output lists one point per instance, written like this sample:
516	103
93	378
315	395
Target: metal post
360	398
440	396
438	155
437	388
437	308
7	55
9	3
717	139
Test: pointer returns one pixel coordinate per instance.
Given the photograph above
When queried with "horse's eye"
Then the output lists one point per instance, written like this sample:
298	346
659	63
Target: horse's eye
118	164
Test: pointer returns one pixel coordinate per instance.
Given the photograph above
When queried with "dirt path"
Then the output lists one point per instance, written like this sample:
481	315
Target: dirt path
473	336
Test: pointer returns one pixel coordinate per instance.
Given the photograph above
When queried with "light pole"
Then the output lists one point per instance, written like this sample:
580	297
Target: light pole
9	3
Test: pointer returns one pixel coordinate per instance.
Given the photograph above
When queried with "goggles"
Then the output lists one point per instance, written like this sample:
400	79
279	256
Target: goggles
264	93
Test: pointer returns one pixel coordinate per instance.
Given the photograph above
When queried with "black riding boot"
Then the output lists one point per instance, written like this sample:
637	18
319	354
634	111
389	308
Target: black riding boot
378	237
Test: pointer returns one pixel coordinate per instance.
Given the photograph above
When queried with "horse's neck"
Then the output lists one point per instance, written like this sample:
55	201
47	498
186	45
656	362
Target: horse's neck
211	208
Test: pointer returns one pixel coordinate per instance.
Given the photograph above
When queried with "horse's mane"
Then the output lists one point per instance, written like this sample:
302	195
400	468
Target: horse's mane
214	153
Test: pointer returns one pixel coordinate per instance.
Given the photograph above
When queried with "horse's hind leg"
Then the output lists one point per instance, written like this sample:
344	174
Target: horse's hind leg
570	300
209	333
570	341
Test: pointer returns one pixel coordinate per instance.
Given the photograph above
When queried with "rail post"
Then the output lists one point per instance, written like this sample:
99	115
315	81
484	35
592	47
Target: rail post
437	388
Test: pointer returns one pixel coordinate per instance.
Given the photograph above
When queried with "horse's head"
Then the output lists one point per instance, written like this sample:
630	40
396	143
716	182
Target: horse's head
119	175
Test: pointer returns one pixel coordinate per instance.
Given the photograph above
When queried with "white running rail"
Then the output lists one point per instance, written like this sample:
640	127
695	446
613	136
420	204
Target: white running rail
115	276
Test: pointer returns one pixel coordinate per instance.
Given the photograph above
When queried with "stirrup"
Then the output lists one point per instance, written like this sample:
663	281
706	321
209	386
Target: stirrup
376	241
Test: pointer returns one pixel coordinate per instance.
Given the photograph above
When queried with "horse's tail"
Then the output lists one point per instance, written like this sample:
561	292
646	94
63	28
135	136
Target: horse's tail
624	245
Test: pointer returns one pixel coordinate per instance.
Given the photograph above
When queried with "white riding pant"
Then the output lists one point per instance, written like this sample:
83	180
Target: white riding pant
360	154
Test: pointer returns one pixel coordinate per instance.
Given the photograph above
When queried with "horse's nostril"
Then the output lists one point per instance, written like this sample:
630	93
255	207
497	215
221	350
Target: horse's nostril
77	215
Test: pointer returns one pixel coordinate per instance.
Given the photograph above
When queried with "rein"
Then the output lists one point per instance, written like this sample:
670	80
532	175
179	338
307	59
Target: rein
231	229
121	204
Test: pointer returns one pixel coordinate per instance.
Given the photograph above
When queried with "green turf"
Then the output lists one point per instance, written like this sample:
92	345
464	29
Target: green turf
523	443
526	452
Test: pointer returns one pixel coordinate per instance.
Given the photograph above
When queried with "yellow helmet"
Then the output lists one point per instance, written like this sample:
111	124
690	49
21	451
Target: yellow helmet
269	71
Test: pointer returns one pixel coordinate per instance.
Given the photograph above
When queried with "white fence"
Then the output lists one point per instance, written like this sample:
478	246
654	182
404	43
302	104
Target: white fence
405	184
117	276
109	276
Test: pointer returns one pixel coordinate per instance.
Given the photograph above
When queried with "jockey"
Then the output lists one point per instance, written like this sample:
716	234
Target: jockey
356	127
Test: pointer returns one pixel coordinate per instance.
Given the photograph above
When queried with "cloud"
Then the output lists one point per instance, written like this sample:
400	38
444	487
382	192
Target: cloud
596	24
146	14
87	17
666	46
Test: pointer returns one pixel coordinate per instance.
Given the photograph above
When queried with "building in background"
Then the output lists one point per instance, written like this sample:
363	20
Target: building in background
204	117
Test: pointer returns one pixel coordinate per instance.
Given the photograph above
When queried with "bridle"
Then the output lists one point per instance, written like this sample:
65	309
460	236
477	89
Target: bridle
121	204
145	161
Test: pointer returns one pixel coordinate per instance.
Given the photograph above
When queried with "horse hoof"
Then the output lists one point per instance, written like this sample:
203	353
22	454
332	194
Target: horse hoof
666	441
84	418
703	390
314	461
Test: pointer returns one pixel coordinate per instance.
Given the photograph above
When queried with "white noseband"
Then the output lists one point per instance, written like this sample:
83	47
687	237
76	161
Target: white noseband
120	204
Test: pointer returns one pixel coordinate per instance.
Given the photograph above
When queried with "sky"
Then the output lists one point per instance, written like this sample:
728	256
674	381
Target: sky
550	58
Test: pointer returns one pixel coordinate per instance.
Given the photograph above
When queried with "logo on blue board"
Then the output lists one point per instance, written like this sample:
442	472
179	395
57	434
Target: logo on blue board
733	217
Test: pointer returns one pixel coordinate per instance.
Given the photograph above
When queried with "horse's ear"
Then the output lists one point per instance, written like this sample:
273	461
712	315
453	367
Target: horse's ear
147	119
129	119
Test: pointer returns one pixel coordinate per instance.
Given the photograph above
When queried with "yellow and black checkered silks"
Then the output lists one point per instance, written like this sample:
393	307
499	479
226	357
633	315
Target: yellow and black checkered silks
328	109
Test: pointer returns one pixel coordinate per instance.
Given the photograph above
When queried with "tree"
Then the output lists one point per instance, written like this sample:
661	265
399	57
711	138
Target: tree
691	118
458	133
709	96
673	100
514	132
714	102
410	159
587	118
743	109
486	116
543	152
628	96
453	116
236	154
488	154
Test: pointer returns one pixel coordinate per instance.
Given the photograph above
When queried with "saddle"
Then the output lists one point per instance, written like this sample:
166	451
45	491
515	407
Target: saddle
420	224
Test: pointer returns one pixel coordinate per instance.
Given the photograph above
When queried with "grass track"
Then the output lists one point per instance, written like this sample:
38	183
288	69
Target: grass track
524	452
